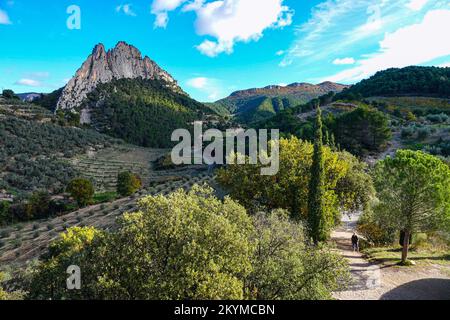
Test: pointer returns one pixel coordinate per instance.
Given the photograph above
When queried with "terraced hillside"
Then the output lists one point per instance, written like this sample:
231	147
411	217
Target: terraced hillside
20	244
413	102
103	167
19	109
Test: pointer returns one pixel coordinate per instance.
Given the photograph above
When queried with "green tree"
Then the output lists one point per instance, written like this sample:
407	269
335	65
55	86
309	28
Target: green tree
318	223
182	246
38	205
128	183
5	295
5	216
81	190
414	193
362	130
9	94
191	246
289	188
286	267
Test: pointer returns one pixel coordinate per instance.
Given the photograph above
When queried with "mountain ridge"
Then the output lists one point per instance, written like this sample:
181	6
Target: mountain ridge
255	104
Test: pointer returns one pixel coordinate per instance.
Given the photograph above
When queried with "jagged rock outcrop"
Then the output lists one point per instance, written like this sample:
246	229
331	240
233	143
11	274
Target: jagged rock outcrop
123	61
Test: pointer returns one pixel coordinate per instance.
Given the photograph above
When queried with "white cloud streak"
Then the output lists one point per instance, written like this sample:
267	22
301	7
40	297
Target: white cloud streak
417	5
411	45
28	83
344	61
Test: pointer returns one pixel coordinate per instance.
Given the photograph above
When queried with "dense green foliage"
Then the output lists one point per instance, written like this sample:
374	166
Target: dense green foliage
414	193
346	184
5	295
49	101
32	154
256	105
190	246
9	94
319	224
362	130
421	81
128	183
359	131
82	190
142	112
285	266
38	205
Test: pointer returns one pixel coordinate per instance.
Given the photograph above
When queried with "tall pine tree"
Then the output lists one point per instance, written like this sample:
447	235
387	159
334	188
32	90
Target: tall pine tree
317	222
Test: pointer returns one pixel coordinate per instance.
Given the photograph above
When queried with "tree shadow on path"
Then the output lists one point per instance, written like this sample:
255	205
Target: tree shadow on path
424	289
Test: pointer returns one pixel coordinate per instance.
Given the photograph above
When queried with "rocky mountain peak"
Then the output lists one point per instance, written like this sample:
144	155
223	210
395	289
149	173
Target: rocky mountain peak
123	61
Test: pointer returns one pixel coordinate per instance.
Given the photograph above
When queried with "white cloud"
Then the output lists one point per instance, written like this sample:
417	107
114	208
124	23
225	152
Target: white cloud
411	45
227	21
126	9
28	83
280	52
4	18
417	5
445	65
232	21
198	83
208	86
344	61
160	9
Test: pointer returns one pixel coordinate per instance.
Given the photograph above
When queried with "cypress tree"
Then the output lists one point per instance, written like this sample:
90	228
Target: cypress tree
333	142
317	223
327	138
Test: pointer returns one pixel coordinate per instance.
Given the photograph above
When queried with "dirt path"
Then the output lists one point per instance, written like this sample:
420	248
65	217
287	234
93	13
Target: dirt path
366	277
381	282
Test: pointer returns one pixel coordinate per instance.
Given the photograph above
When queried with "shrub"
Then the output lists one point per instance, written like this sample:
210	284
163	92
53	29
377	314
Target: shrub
128	183
81	190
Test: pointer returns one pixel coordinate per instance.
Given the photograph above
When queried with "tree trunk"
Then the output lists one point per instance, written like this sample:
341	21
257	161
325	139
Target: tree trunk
405	246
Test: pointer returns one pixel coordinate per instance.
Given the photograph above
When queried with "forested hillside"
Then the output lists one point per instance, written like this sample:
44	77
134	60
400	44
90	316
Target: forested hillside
142	112
420	81
258	104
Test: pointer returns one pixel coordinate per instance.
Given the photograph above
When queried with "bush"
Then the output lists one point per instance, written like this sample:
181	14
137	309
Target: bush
374	232
197	247
9	94
128	183
82	190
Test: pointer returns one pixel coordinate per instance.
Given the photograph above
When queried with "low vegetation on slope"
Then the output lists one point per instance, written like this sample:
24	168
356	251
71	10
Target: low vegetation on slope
32	154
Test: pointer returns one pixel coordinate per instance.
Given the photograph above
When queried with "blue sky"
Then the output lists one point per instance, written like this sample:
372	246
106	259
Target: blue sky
215	47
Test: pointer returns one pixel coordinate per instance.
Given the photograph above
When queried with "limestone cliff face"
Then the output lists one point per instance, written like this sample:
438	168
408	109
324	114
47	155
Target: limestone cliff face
124	61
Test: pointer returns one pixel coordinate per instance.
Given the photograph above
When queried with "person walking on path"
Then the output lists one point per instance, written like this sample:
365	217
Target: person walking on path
355	242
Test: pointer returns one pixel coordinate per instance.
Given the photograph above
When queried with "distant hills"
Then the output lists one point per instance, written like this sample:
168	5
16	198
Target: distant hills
29	96
256	104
